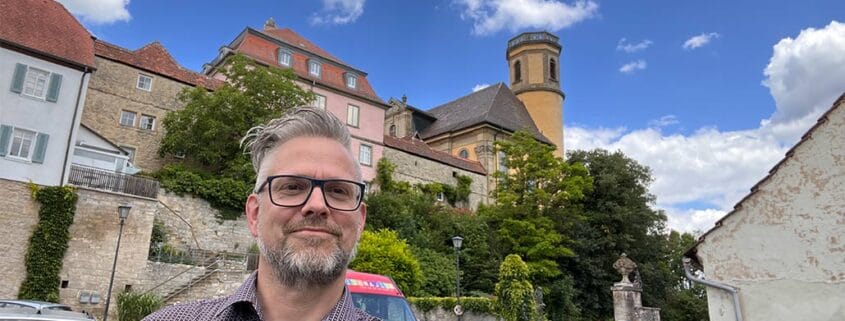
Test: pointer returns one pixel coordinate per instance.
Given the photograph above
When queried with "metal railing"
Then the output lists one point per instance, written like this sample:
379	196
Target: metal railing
112	181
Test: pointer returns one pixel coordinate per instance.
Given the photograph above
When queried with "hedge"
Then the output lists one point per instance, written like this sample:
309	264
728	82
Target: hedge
473	304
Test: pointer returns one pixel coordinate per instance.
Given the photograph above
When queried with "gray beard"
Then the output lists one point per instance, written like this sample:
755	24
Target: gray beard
306	267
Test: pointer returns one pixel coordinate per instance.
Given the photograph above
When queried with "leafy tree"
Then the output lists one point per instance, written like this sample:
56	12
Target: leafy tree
209	128
618	218
383	252
685	301
514	292
438	272
529	216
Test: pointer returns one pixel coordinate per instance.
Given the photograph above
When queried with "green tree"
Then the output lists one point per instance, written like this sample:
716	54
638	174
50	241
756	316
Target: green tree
618	218
438	273
514	292
209	128
685	301
530	216
383	252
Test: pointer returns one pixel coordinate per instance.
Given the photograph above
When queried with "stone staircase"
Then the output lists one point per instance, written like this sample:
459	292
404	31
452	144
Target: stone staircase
186	279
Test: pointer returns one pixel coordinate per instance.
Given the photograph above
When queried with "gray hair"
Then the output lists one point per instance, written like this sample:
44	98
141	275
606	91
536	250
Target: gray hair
297	122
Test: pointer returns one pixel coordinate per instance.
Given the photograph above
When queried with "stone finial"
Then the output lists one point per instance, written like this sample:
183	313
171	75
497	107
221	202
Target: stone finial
404	99
624	266
270	24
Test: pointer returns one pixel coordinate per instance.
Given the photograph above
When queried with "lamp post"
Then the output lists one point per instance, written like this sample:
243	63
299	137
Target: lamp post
457	241
122	213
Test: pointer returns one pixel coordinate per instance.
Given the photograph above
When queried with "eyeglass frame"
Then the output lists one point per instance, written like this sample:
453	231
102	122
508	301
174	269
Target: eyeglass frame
314	183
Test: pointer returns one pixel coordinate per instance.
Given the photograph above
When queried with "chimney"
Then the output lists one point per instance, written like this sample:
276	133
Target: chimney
270	24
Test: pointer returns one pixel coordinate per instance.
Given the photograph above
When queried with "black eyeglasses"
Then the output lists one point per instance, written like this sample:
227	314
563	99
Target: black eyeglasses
293	191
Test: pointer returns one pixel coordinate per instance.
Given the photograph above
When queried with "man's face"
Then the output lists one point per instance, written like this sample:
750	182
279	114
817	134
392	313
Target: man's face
309	244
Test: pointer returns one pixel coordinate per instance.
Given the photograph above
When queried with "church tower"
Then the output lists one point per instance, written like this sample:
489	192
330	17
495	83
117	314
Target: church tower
534	63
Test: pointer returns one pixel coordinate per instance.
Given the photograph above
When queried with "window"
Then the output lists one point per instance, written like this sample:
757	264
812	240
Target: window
393	130
314	68
517	71
22	143
552	69
502	167
145	82
285	57
127	118
352	115
35	84
365	155
130	151
463	153
441	197
351	80
319	101
147	122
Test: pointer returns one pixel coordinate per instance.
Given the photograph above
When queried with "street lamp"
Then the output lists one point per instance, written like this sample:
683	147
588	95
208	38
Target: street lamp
122	213
457	241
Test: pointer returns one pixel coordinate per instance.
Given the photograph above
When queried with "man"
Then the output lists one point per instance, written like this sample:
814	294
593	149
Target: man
306	214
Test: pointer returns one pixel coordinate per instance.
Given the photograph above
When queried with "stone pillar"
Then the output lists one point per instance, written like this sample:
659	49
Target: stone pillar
627	296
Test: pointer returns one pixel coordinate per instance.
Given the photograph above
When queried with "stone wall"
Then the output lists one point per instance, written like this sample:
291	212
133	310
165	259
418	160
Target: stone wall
192	223
113	89
417	170
439	314
18	217
87	265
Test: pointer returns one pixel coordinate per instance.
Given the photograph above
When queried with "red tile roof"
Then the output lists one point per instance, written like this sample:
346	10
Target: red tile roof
420	148
332	74
154	58
46	27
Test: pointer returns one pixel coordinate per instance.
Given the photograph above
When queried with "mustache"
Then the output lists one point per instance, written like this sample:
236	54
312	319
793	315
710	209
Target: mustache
314	222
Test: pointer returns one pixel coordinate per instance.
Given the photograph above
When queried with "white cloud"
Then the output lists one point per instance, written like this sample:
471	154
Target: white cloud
700	40
490	16
98	11
663	121
633	66
480	87
625	46
807	73
339	12
699	177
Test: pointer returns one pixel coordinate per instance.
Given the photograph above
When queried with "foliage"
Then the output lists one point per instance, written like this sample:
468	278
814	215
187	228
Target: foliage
685	301
438	272
48	243
158	237
559	298
514	292
383	252
209	128
133	306
225	194
471	304
530	216
618	219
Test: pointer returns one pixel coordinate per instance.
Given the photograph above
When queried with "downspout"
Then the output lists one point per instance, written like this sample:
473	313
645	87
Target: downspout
74	124
715	284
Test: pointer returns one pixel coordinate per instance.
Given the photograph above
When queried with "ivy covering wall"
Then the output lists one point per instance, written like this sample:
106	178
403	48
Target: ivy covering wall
48	243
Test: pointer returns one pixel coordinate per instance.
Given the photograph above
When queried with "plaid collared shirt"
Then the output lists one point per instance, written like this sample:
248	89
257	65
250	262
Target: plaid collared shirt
243	305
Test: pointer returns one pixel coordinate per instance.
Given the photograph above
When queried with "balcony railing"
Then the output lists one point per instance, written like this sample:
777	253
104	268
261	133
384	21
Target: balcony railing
112	181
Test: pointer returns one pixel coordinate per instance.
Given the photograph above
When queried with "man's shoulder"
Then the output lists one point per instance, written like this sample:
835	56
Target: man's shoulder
197	310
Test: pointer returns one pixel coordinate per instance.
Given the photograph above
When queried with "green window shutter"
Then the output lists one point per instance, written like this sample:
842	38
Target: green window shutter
17	79
40	148
5	135
55	86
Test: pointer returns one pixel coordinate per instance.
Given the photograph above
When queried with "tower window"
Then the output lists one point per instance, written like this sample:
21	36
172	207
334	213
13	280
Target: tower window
463	153
517	71
393	130
552	69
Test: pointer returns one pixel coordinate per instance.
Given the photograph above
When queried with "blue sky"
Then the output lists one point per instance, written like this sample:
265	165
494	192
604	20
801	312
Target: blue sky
709	94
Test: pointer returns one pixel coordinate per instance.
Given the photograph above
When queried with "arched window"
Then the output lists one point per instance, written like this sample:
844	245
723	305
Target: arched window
463	153
552	69
517	71
393	130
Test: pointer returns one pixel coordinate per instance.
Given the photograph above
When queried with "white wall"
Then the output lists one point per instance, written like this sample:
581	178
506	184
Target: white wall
785	247
55	119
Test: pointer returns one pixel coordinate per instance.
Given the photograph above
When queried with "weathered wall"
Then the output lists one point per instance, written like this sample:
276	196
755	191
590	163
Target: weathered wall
192	223
18	217
417	170
439	314
88	263
113	89
784	248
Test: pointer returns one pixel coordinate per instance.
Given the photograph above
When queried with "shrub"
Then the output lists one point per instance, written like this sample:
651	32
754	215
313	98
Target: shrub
133	306
438	272
225	194
514	293
471	304
383	252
